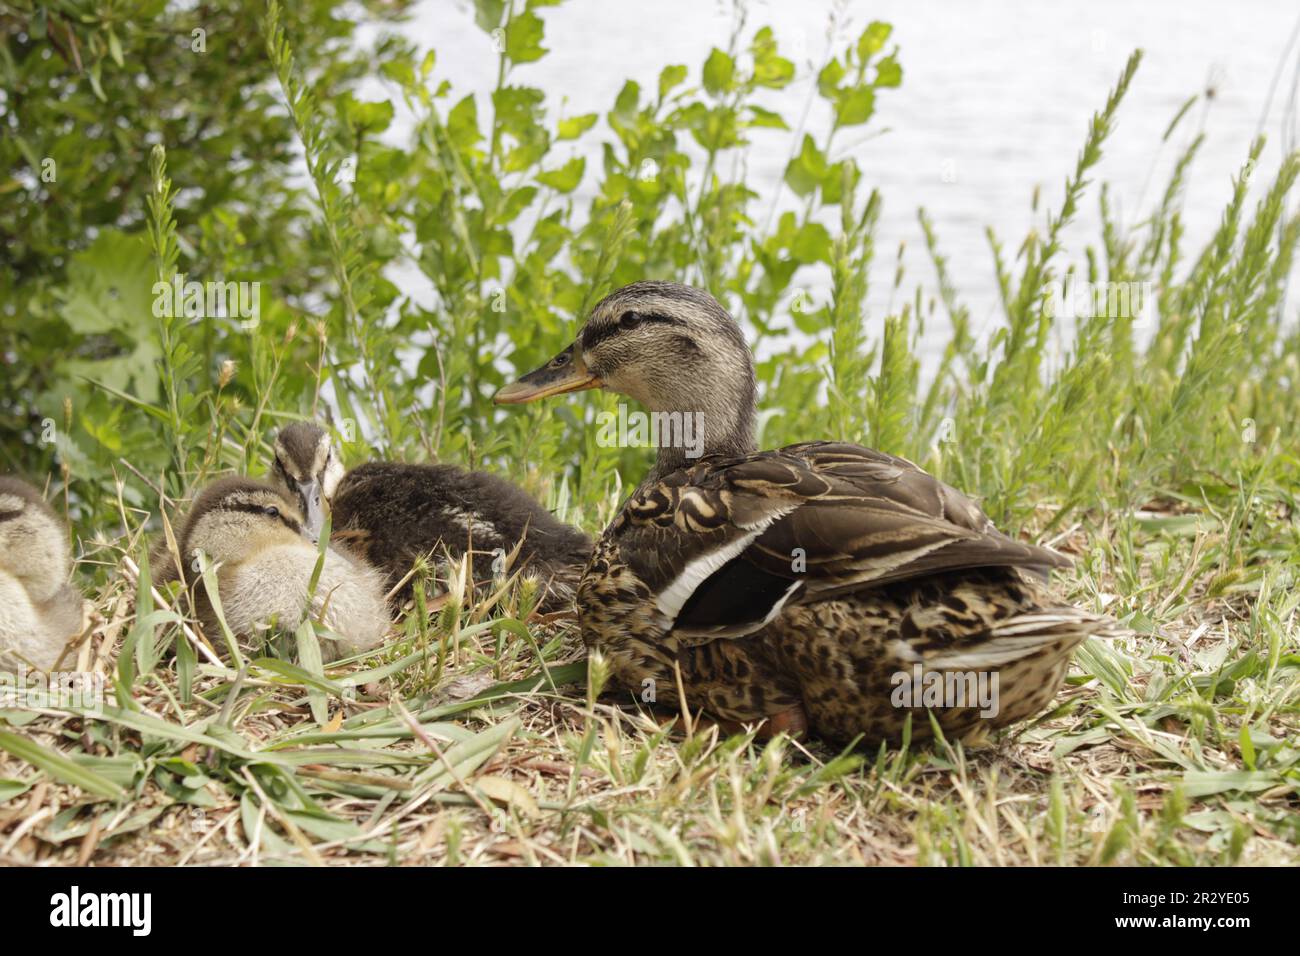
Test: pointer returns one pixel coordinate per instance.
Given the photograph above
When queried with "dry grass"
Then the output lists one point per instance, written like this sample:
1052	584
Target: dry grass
1175	746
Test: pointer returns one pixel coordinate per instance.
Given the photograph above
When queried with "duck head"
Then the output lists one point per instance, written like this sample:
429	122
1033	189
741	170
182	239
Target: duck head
33	541
307	469
235	517
670	347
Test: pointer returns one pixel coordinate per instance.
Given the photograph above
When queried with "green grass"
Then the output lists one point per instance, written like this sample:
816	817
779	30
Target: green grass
466	744
1162	459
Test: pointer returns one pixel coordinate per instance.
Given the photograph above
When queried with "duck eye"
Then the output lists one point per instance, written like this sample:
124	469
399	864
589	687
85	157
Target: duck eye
629	320
272	512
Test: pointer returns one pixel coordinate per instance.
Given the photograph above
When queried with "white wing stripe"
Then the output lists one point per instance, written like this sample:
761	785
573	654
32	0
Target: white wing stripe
671	599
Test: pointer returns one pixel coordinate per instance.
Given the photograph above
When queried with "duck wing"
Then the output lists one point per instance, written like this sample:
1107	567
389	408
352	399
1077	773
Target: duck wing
725	544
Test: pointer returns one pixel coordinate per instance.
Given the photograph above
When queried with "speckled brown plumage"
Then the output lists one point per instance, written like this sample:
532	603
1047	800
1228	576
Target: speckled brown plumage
898	569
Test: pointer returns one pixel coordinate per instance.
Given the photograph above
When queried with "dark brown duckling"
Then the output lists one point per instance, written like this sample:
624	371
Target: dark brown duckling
393	514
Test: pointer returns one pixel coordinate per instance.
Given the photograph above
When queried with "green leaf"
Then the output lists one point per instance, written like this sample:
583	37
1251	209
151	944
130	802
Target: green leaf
575	126
566	178
141	637
854	106
462	759
719	73
186	659
812	243
829	79
873	40
833	181
462	123
110	294
1204	783
58	766
626	102
367	118
806	171
765	118
524	38
115	48
518	200
888	72
12	788
670	77
488	13
309	658
770	70
293	673
519	111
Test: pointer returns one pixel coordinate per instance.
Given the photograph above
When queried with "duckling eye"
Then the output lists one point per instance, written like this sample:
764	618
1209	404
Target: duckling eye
629	320
272	511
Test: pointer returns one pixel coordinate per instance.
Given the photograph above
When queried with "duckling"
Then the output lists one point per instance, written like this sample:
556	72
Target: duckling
394	513
266	559
806	585
40	612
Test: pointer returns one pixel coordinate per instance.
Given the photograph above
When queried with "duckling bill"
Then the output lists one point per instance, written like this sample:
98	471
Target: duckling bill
393	514
265	561
40	612
795	585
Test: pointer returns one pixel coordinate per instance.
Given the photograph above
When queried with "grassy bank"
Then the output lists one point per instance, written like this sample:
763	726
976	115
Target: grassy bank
1156	447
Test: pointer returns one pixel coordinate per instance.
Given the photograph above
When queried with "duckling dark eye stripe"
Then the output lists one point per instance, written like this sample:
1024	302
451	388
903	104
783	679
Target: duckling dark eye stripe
7	515
592	336
261	510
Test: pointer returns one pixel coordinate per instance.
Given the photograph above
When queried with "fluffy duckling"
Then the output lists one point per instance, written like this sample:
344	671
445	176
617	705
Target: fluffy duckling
40	613
806	585
266	559
394	513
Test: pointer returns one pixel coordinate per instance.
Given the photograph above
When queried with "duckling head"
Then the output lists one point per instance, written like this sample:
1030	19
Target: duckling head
236	517
33	541
671	347
307	469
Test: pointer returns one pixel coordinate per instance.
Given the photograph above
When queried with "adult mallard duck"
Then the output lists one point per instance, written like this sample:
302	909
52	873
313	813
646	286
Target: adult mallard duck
393	513
823	585
40	612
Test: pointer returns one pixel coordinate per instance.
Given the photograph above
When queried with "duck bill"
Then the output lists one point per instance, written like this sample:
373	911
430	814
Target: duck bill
313	513
565	373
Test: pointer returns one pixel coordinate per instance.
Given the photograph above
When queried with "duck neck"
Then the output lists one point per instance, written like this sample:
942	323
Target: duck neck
685	436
